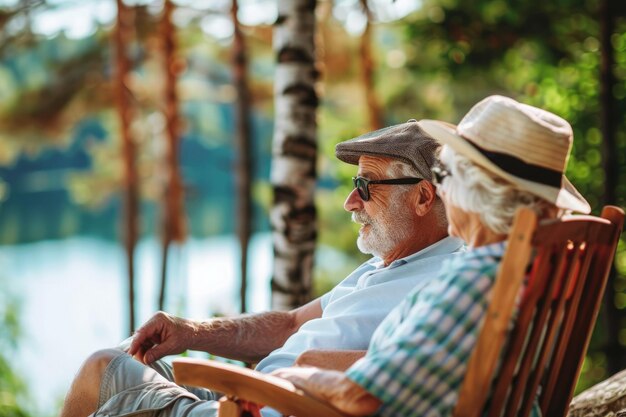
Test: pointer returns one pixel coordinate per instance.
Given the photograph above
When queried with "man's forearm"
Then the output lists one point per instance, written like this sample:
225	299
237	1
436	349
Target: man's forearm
247	338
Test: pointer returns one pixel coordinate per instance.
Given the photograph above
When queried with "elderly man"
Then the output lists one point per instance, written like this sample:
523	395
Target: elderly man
402	224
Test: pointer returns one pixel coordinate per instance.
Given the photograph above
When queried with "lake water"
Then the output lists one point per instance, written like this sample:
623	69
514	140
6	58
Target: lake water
73	296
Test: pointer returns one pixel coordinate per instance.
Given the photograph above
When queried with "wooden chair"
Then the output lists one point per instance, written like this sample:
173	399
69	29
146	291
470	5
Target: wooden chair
538	360
559	306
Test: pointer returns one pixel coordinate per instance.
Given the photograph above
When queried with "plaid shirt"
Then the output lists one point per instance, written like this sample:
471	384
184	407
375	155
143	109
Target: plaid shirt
418	355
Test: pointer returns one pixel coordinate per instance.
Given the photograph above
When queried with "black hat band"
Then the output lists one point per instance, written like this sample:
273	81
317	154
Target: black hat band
521	169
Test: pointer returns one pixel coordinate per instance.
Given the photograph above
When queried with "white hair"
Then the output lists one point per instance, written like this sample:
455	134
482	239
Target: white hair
474	189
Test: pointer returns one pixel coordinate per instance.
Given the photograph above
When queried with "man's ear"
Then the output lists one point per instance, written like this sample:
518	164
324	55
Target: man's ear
424	197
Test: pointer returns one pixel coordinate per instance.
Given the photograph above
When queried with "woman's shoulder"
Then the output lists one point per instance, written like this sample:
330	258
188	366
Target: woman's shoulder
470	272
474	261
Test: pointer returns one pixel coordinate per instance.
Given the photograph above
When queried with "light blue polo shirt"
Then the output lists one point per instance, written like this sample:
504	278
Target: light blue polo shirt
356	306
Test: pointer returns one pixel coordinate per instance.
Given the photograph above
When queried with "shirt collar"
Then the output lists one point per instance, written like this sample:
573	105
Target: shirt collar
446	245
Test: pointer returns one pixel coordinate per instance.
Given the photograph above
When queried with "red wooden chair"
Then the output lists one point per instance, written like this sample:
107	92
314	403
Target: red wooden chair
538	360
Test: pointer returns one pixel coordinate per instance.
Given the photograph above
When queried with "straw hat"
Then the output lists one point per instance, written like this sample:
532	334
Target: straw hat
522	144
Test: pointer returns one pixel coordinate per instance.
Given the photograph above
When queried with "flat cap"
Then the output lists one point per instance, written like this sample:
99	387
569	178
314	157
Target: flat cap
406	142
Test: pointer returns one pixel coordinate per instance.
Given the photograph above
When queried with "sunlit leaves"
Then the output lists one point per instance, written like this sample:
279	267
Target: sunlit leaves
12	387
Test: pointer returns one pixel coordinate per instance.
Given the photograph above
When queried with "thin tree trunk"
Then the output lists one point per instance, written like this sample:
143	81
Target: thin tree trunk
164	257
367	63
174	219
293	174
323	14
616	357
243	144
123	36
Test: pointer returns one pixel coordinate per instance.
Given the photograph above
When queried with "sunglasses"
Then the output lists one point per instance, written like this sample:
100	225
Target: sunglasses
439	173
362	184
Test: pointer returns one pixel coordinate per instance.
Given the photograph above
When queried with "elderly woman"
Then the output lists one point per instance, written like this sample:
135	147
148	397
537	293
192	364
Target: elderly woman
502	156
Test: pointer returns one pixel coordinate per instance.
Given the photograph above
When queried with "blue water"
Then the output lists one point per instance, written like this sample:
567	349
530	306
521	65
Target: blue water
73	296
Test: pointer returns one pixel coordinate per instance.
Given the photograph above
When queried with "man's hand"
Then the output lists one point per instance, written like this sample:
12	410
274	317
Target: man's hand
332	387
162	335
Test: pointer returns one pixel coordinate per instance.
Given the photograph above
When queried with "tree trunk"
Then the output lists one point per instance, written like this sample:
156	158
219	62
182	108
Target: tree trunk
608	398
244	160
616	357
293	173
173	217
367	63
123	36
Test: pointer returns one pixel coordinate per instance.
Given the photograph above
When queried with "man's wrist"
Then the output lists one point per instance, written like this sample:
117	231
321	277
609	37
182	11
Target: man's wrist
199	334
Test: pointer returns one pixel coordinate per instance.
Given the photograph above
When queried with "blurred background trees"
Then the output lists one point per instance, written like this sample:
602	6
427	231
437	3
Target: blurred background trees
380	62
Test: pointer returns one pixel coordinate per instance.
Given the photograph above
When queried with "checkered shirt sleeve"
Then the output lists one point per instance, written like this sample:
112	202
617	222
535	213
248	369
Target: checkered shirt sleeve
418	355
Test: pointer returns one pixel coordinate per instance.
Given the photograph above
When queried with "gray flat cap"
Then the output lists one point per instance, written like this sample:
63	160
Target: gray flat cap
406	142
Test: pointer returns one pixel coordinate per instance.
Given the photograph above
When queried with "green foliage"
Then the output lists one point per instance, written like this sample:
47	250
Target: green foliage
13	392
593	371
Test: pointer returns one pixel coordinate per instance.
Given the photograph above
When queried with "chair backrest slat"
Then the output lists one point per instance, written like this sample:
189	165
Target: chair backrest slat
546	345
556	361
557	333
540	309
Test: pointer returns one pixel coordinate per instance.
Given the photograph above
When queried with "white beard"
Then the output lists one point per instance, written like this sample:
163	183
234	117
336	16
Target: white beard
386	232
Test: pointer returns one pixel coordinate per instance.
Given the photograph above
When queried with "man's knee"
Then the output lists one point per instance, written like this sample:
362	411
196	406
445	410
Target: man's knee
82	398
96	364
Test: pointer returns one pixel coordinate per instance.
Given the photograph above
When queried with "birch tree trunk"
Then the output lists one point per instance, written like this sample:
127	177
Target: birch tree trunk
244	159
122	38
293	174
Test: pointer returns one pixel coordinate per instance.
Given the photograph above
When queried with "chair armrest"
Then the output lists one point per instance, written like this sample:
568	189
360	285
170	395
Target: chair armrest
252	386
338	360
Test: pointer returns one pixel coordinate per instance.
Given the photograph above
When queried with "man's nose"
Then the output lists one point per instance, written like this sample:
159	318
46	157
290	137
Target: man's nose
354	201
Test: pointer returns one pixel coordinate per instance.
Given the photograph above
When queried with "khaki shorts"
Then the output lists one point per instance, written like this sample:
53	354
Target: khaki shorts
130	388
